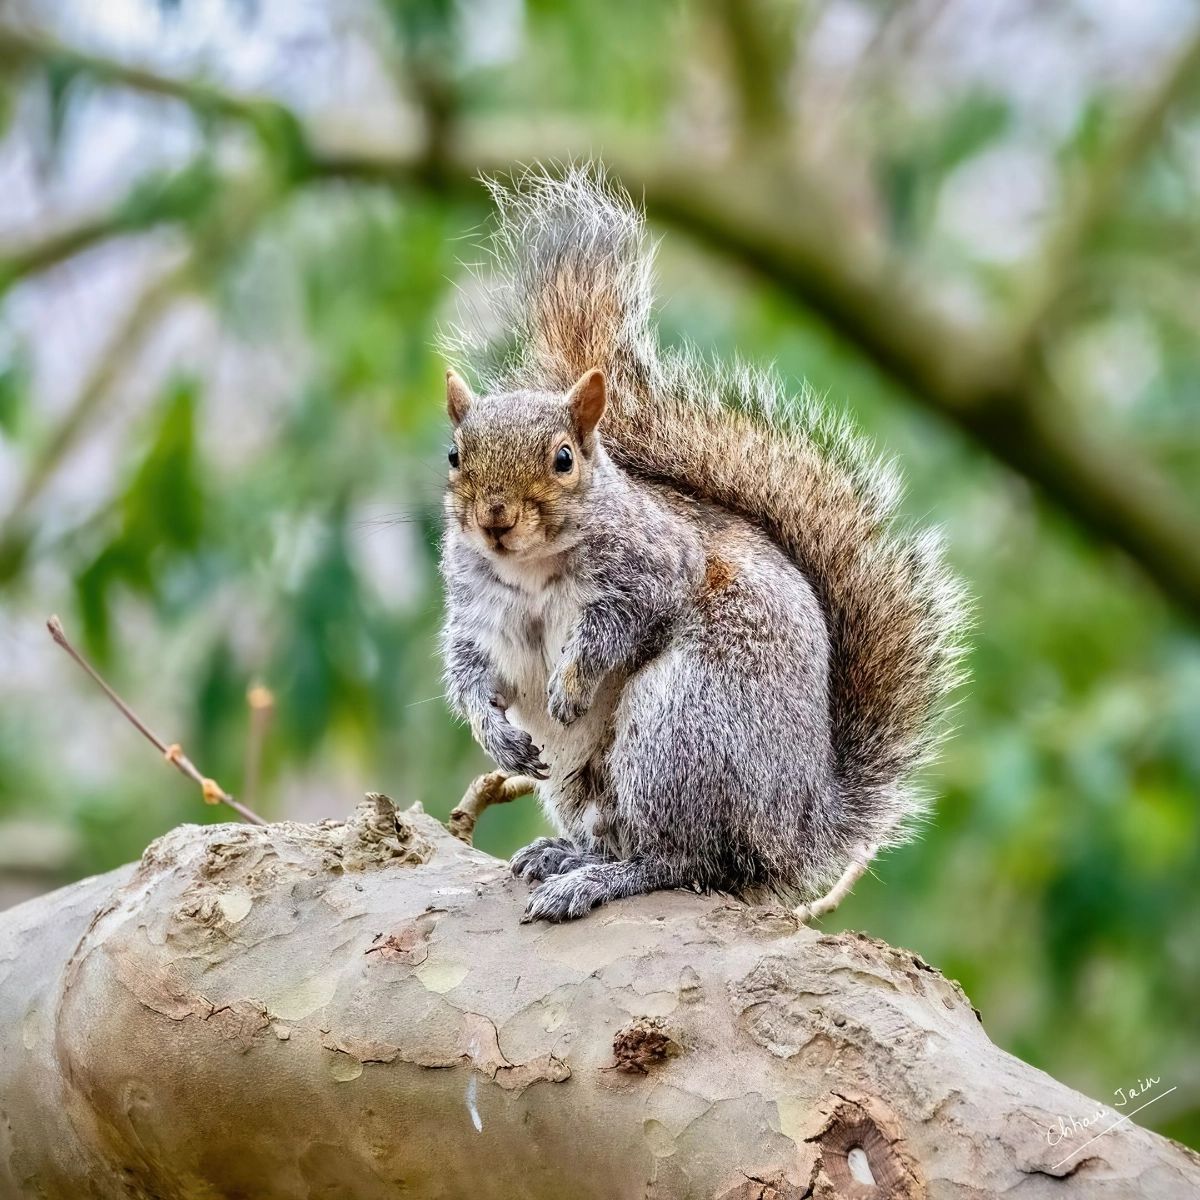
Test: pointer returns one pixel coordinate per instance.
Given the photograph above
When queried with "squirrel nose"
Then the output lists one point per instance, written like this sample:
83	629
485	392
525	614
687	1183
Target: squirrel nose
497	518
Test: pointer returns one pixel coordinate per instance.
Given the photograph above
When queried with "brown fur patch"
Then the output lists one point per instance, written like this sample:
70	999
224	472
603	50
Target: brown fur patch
719	574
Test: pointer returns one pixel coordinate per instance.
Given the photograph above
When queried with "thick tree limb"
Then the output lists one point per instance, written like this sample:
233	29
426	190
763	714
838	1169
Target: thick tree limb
355	1010
773	223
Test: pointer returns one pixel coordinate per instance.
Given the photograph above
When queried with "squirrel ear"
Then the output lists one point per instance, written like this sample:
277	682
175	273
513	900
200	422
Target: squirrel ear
586	401
458	397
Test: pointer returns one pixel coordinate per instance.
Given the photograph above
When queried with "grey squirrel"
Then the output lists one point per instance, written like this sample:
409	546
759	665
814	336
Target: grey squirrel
677	599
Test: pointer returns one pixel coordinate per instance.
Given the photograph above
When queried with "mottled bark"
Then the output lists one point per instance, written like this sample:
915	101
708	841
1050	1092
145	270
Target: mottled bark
354	1010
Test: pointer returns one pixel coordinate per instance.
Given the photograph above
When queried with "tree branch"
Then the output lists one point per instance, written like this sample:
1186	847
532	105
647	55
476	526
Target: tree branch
60	245
24	48
760	42
355	1009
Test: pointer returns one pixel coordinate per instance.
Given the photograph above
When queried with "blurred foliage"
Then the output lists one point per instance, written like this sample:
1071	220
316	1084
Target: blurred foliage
158	525
293	541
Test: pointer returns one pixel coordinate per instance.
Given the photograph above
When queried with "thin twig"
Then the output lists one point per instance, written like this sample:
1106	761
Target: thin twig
860	861
212	791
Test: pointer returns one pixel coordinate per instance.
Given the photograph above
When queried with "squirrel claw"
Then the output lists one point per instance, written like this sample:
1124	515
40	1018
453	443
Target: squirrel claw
531	766
514	751
535	769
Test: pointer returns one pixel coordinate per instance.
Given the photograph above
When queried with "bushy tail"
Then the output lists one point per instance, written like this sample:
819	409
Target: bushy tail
571	289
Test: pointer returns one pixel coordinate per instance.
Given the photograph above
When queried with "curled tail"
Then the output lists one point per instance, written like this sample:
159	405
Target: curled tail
571	289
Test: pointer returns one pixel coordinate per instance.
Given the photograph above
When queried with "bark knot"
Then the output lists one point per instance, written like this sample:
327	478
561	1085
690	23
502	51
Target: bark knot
377	833
644	1043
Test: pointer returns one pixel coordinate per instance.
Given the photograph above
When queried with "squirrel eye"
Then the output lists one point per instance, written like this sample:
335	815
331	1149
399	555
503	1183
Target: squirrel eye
453	457
564	460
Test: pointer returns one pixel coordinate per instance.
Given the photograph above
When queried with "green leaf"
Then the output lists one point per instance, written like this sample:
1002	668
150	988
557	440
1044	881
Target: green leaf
185	195
325	661
13	394
164	504
161	519
61	76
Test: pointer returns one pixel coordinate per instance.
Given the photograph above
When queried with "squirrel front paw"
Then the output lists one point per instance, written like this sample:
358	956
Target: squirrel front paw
567	698
513	749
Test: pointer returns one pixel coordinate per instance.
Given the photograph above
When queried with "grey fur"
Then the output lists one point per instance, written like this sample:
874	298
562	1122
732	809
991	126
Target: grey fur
710	630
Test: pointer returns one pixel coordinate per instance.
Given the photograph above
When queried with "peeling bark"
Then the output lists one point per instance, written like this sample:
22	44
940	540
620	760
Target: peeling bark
354	1010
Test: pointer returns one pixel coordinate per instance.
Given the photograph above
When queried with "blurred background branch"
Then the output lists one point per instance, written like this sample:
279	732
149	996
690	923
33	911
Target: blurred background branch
122	350
1097	190
776	223
1002	399
229	231
760	36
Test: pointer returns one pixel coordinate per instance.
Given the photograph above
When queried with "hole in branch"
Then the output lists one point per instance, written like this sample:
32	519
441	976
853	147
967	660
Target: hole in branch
860	1166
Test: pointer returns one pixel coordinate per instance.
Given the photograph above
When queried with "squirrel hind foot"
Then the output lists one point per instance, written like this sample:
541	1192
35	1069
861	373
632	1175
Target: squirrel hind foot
548	856
575	893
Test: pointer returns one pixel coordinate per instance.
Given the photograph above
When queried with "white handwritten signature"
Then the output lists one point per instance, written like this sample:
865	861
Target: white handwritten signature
1067	1129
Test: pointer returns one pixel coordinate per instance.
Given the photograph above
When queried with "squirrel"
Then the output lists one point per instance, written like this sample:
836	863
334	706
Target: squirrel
677	599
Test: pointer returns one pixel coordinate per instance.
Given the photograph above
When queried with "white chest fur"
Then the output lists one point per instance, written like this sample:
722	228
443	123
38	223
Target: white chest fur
526	620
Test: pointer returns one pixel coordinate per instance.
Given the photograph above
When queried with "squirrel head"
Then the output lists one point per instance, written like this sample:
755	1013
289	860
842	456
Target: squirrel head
521	464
